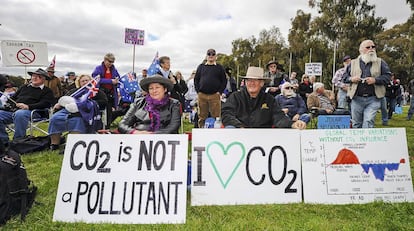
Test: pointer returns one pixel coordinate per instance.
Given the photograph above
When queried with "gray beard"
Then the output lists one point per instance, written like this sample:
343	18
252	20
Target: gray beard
369	57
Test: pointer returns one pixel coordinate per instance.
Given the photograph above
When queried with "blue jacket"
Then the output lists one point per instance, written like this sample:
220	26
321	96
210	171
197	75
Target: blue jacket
296	105
100	70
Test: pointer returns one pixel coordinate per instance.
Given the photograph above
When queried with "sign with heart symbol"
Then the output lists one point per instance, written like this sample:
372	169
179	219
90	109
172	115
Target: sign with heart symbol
213	157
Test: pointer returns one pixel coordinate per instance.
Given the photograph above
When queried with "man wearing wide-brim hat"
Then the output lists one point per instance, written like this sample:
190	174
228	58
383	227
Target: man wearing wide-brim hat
251	107
28	97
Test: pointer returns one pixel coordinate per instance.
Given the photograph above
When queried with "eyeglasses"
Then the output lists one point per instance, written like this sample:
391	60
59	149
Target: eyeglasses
290	88
368	47
211	54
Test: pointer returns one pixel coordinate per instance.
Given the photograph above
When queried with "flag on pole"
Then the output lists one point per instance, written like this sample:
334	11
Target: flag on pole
155	65
53	63
88	109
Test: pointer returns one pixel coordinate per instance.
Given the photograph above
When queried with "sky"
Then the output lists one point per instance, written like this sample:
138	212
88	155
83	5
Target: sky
80	33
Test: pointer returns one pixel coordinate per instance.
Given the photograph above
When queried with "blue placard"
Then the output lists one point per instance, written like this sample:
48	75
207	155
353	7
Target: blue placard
334	121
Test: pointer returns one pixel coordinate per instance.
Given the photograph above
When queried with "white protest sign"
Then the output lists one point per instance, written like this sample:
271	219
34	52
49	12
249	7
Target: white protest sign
356	166
24	53
123	179
313	69
245	166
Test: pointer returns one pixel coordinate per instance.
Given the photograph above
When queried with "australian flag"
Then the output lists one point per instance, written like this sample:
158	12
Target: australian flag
88	108
155	66
128	85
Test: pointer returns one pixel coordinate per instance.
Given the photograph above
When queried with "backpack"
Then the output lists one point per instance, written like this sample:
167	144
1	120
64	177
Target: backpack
17	192
29	144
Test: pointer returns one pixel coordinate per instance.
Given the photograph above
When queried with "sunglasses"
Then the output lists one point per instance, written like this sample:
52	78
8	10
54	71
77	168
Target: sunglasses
290	88
110	61
211	54
368	47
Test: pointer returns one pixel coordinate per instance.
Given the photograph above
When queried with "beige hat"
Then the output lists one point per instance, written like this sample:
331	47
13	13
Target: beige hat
255	73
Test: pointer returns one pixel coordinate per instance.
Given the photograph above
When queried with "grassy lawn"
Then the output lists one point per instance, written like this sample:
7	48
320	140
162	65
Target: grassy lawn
44	169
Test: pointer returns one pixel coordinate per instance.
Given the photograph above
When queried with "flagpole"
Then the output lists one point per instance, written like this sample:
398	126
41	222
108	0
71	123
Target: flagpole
133	60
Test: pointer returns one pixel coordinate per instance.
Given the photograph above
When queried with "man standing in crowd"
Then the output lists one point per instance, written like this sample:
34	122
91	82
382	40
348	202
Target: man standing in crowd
28	97
251	107
368	75
340	85
210	81
54	83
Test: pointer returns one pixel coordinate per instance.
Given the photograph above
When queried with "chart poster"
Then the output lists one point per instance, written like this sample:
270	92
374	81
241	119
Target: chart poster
356	166
132	179
24	53
245	166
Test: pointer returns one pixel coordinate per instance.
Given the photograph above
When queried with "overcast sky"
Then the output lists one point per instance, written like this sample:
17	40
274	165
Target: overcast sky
79	33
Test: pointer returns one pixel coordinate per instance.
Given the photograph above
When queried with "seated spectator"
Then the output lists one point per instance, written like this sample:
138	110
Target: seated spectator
70	118
28	97
323	101
9	90
251	107
154	113
292	104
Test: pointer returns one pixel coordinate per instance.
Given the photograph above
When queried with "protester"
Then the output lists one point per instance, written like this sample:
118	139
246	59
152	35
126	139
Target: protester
68	118
411	99
340	85
251	107
210	82
368	75
177	91
68	82
54	83
292	104
275	76
305	87
183	87
293	81
231	85
28	97
154	113
323	101
109	78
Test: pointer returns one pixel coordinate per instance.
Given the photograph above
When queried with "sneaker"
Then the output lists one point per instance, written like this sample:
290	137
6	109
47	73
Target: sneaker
54	147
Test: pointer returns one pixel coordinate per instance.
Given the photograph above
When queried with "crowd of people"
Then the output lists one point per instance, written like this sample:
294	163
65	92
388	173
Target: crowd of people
263	99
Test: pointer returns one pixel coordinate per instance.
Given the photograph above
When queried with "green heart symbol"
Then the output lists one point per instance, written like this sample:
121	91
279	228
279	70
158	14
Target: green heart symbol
225	152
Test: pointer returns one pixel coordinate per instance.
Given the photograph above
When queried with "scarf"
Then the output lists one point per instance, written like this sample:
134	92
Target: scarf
153	107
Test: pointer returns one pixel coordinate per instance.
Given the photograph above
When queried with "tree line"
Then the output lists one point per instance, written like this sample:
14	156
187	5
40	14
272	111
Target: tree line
337	31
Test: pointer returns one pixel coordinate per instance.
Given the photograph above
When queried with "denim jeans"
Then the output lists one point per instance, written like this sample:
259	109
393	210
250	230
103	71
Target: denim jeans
364	110
342	101
20	118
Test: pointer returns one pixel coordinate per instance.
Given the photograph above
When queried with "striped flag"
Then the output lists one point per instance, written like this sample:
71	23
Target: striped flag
155	65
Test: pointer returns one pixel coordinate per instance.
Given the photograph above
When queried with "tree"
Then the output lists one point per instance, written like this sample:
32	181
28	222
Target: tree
344	24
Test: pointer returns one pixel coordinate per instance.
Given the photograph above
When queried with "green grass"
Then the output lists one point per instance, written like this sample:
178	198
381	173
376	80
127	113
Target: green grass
44	169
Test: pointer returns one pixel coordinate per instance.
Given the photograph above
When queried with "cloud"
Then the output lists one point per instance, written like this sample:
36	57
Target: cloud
80	33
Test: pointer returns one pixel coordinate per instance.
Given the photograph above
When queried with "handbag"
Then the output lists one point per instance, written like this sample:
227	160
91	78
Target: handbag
29	144
398	110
